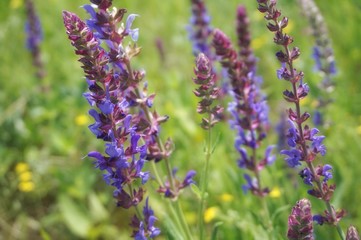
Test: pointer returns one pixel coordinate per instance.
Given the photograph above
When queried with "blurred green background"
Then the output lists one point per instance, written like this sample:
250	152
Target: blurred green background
48	190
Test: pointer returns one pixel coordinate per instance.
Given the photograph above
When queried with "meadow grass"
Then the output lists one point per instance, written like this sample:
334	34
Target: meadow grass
39	121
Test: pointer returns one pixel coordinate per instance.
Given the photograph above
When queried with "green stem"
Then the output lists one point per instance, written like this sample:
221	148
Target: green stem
180	219
156	174
204	184
304	146
177	219
340	231
269	224
183	220
327	203
137	211
170	205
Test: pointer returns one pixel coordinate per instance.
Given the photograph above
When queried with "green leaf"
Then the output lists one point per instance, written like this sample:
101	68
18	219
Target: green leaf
97	210
172	232
216	142
279	210
44	235
196	191
215	230
76	219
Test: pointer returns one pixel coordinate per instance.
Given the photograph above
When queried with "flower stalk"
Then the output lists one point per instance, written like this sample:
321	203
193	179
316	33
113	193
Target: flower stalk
324	58
208	92
249	112
304	143
121	110
34	37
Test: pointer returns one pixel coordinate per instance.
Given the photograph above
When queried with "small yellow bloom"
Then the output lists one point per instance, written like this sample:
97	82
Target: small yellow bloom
259	42
26	186
14	4
289	26
82	120
225	197
304	101
191	217
199	137
210	214
21	167
315	103
358	129
25	176
275	193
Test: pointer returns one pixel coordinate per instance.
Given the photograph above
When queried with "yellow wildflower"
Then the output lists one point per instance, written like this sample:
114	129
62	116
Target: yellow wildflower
358	129
226	197
27	186
210	214
304	101
81	120
289	26
259	41
191	217
315	103
21	167
14	4
275	193
25	176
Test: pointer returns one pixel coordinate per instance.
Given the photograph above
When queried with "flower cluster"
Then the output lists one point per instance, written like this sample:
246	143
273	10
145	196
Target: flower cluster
25	176
178	185
305	145
120	108
244	39
248	109
322	54
352	234
34	37
113	122
207	90
200	30
322	51
145	228
300	221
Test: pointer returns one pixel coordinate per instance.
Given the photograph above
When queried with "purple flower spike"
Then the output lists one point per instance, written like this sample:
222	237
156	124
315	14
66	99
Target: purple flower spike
323	56
207	91
300	221
304	144
33	28
248	109
118	106
199	30
34	36
244	39
352	234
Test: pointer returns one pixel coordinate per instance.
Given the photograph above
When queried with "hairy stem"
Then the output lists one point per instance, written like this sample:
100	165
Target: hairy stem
204	183
179	212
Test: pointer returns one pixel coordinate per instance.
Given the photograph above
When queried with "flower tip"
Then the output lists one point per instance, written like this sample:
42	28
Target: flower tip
352	234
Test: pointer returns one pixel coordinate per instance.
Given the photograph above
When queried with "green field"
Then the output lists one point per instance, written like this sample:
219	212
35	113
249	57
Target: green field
49	190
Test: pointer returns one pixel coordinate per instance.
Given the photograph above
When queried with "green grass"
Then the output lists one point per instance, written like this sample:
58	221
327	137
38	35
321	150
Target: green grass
70	199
